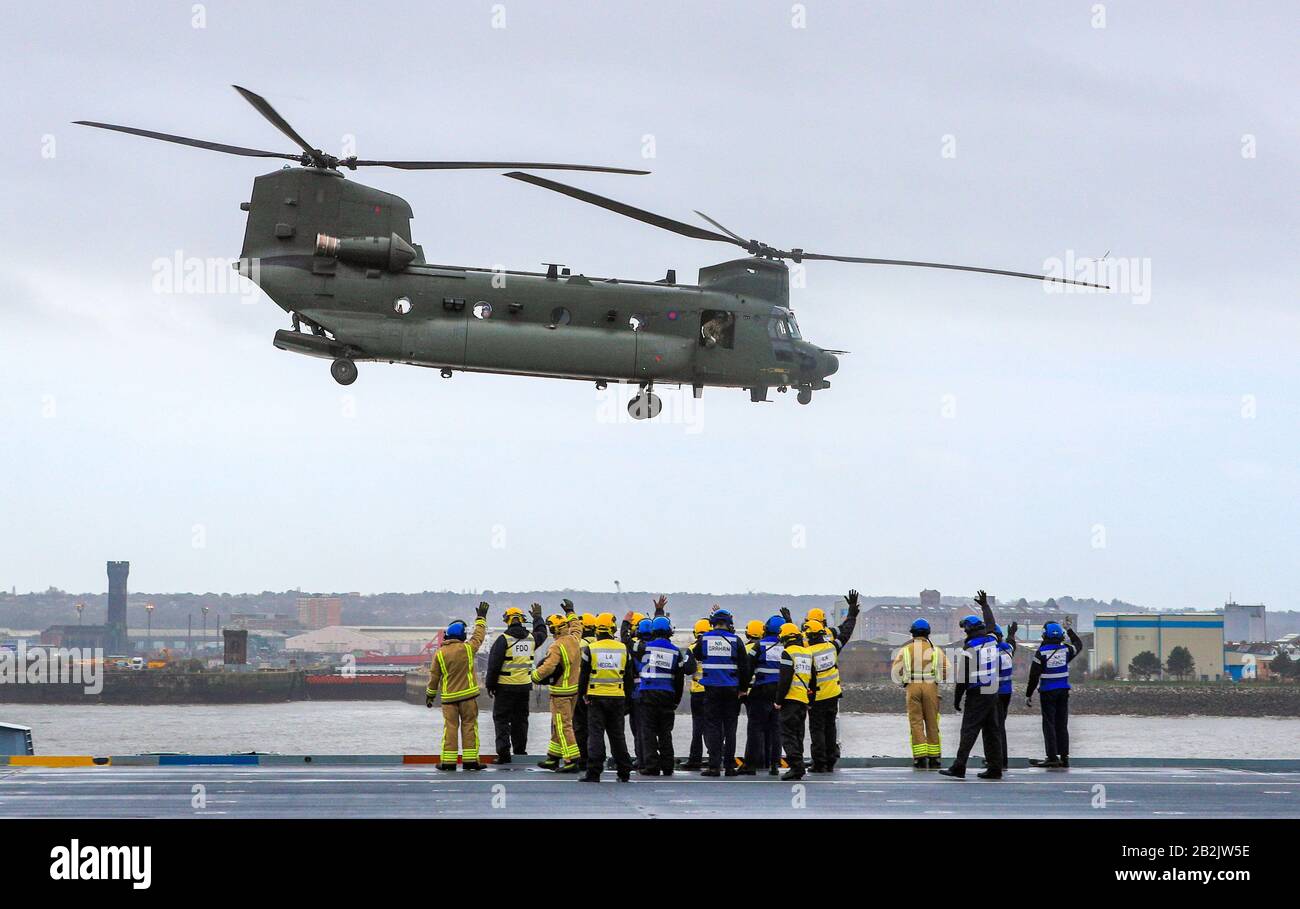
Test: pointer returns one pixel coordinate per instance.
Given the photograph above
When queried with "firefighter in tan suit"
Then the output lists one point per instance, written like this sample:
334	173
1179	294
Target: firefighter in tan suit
451	677
560	668
919	667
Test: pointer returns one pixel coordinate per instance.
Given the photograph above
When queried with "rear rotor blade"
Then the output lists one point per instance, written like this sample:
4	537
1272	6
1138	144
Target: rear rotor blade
489	165
799	254
270	113
196	143
646	217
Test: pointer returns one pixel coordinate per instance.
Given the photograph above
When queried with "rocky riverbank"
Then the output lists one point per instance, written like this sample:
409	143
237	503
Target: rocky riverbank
1128	699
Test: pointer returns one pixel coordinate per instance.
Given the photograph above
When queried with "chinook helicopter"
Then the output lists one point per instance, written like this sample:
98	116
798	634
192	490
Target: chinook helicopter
338	258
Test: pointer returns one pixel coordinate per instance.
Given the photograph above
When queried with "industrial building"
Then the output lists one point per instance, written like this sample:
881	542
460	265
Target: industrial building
891	622
1119	637
1244	624
320	612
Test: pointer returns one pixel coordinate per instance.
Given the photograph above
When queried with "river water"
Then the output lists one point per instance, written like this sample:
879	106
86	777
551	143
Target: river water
395	727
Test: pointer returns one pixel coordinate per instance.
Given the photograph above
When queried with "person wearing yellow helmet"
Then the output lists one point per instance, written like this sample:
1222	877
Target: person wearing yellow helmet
824	707
559	668
509	680
580	705
845	629
603	681
694	759
796	688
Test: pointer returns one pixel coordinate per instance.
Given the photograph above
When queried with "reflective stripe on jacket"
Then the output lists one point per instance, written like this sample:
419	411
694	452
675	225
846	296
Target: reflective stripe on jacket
1056	666
802	659
518	666
930	669
608	662
827	666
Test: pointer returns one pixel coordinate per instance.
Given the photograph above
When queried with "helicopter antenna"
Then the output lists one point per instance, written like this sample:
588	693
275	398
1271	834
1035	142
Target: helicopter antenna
756	247
315	157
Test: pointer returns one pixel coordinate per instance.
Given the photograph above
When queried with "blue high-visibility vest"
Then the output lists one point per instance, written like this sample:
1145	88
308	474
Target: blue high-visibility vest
982	665
658	663
767	661
719	666
1056	666
1006	666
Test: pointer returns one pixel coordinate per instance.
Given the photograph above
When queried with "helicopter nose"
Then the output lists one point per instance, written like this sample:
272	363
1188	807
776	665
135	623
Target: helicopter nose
830	364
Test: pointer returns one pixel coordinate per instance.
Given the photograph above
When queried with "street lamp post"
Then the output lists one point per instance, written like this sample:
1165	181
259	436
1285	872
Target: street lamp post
80	608
203	641
148	640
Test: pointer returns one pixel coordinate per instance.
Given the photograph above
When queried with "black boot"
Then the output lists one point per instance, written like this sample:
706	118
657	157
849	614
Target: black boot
990	774
549	763
589	778
473	765
1050	762
794	773
957	773
503	759
934	763
710	771
919	764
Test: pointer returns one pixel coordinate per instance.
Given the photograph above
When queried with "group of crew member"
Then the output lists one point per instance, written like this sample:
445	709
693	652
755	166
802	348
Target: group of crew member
599	676
602	674
983	680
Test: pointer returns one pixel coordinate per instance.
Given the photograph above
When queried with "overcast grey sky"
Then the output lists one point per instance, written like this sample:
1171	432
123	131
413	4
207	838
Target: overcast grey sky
981	433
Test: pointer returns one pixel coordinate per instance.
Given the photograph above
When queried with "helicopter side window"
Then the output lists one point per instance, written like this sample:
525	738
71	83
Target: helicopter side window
718	329
559	316
778	329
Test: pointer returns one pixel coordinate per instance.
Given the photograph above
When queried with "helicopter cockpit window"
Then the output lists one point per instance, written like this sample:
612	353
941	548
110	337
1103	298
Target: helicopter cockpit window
402	305
482	310
560	316
778	329
793	325
718	329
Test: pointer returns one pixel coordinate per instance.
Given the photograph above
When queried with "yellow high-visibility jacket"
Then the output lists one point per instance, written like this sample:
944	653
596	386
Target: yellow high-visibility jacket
451	674
921	661
563	660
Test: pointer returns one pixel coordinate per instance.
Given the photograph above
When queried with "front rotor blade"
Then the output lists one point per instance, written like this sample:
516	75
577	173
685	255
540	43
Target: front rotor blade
491	165
729	233
677	227
196	143
987	271
266	110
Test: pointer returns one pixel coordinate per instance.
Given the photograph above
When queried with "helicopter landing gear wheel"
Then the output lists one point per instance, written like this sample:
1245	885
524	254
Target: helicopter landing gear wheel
344	371
645	406
446	373
805	395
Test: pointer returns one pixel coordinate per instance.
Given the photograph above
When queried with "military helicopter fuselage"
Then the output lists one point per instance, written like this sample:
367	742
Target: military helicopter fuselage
339	257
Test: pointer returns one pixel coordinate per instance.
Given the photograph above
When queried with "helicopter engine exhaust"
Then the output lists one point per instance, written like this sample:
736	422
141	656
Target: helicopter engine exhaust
391	253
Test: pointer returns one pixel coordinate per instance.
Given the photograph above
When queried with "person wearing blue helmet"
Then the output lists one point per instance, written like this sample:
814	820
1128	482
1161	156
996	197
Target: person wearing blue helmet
660	682
977	681
919	667
635	633
1050	673
763	726
725	674
452	679
1006	668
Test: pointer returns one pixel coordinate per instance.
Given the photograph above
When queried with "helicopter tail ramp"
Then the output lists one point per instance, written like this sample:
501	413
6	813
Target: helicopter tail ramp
291	207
